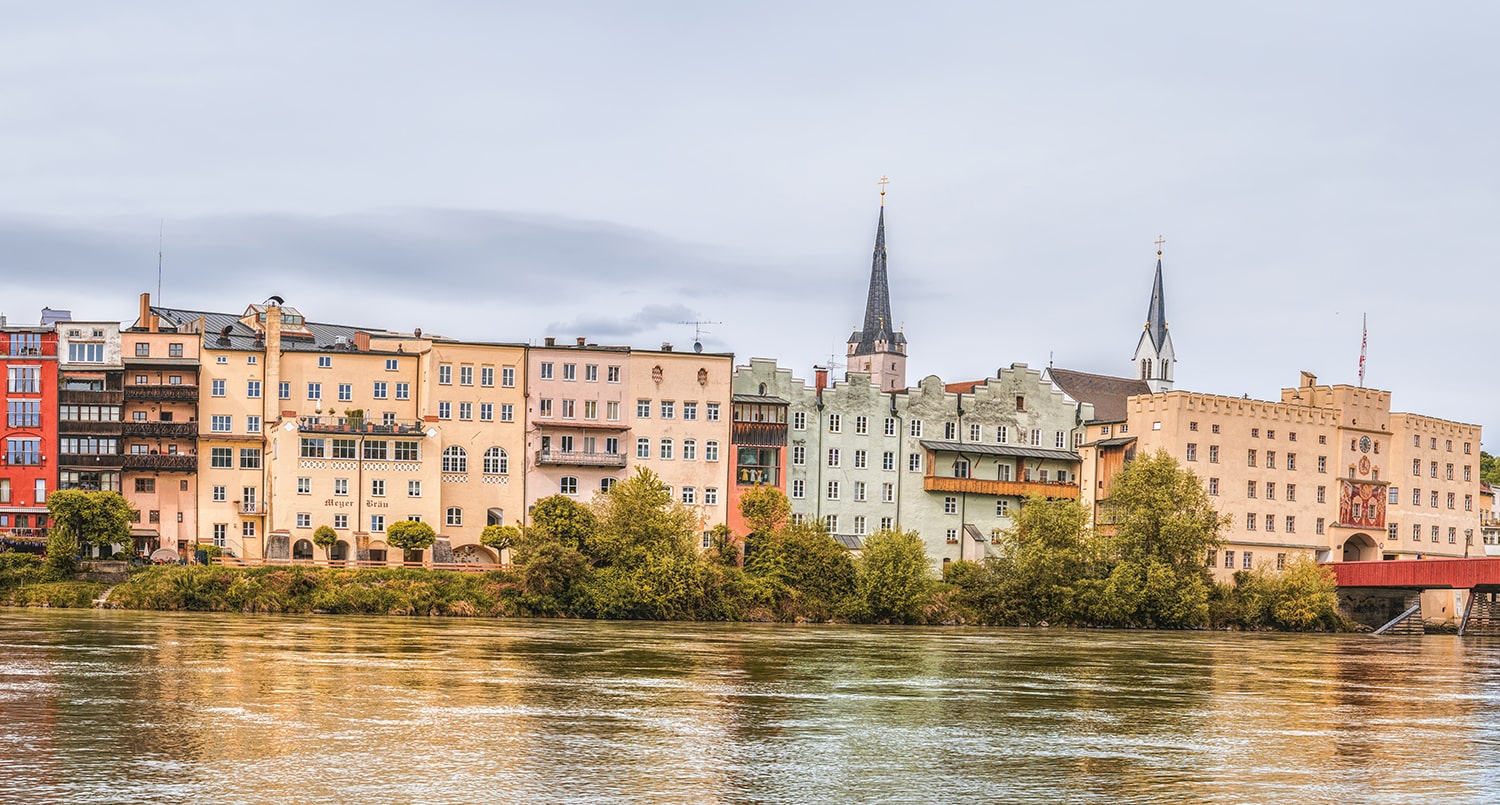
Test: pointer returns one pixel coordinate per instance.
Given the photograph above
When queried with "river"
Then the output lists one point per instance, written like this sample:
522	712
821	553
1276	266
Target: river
112	706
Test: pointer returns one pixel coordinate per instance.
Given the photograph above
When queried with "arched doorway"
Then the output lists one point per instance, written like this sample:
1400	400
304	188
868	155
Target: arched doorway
474	555
495	517
302	550
339	552
1360	548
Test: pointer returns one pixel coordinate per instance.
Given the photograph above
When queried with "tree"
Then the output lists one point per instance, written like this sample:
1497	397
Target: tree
100	519
1489	468
499	537
410	536
894	578
764	508
62	552
563	518
801	571
325	537
1049	549
1164	527
638	519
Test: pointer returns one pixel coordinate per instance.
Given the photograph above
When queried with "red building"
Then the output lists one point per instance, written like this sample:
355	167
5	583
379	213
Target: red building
28	463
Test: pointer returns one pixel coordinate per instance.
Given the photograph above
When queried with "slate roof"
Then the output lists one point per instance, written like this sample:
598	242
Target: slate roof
1000	450
877	324
758	399
325	336
1107	394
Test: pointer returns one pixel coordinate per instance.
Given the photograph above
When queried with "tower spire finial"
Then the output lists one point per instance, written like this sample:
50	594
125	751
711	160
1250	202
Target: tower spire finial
884	180
1160	239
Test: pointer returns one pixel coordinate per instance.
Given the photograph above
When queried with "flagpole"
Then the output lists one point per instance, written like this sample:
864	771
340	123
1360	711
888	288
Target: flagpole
1364	343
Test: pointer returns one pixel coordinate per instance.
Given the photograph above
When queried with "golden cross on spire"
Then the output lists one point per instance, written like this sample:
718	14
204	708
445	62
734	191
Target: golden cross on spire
1160	239
883	182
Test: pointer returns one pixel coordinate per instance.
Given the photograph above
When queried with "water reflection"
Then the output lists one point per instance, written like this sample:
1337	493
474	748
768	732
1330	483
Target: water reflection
121	707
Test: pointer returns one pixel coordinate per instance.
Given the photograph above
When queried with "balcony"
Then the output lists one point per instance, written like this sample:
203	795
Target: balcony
96	428
315	424
161	462
24	536
578	458
252	509
162	430
86	397
91	461
166	393
1048	489
758	434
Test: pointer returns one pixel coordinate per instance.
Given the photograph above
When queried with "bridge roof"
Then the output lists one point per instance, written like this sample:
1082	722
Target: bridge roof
1420	574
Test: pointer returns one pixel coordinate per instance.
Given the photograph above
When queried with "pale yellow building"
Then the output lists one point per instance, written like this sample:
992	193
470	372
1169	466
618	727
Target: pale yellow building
680	428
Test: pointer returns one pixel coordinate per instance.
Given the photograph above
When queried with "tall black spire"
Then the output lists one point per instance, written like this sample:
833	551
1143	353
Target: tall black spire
877	326
1156	315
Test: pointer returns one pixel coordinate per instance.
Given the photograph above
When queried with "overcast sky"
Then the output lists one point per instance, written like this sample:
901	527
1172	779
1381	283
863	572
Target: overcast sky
507	172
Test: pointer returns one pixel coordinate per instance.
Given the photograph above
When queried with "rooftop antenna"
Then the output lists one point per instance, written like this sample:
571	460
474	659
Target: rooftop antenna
1364	343
161	228
698	332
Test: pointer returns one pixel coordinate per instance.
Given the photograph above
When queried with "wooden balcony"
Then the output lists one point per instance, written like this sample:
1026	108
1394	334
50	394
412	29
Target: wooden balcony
758	434
163	430
91	461
162	462
167	393
579	458
72	426
1050	489
89	397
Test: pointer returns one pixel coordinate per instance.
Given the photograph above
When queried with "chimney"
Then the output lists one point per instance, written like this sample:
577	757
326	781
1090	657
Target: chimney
417	333
549	341
144	320
820	378
666	346
362	341
582	340
1308	380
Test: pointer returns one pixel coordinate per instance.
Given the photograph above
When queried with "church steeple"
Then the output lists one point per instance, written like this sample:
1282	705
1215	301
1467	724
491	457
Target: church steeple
879	347
1154	354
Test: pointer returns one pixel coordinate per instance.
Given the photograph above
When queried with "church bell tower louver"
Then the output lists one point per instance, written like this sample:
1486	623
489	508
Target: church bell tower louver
1154	357
879	349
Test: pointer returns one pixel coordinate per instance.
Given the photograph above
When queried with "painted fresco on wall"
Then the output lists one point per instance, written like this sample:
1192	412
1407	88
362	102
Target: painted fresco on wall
1361	504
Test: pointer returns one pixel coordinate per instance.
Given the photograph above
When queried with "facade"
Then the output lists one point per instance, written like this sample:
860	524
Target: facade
579	413
1326	472
28	469
160	434
90	405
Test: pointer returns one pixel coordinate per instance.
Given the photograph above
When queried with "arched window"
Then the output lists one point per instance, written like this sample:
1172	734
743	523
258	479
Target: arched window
568	485
455	459
606	484
455	516
496	462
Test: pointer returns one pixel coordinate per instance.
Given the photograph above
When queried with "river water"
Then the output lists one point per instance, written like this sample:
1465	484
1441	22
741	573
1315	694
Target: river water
111	706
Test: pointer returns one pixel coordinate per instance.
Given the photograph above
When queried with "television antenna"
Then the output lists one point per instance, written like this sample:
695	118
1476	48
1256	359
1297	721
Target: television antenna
698	331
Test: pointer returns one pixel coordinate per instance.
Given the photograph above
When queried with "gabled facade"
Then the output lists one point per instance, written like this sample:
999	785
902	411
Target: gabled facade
28	465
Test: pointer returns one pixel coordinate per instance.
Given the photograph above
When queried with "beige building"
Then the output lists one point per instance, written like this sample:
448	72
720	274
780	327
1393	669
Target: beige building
680	427
1328	472
160	433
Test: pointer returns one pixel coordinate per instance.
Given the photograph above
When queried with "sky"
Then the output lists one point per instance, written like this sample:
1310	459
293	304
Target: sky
506	172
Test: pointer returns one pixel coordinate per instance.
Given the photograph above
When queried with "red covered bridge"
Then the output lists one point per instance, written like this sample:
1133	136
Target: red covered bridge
1367	589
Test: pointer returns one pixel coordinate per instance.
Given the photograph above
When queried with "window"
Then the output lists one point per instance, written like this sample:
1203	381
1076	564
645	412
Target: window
377	523
859	490
486	412
665	450
381	389
413	489
689	495
833	457
643	409
304	486
1020	403
1213	486
1213	558
252	424
249	458
887	493
689	449
376	450
914	462
1318	526
341	487
643	448
344	448
220	423
215	388
860	459
1036	437
1192	452
220	493
799	420
832	521
1450	500
835	424
507	412
508	377
1229	560
341	521
496	461
466	375
888	460
1322	463
445	409
1449	472
1434	470
568	485
861	424
377	487
1434	499
950	430
612	374
1291	461
975	433
711	450
1291	493
950	505
545	370
314	391
454	516
886	523
710	496
1291	525
690	410
221	458
85	353
1250	487
1250	522
466	409
221	533
1467	475
1468	503
1270	523
711	412
1322	494
1213	454
799	488
1246	562
1250	461
346	392
859	526
1416	497
890	426
570	372
1270	459
455	459
914	428
799	455
667	409
1434	532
